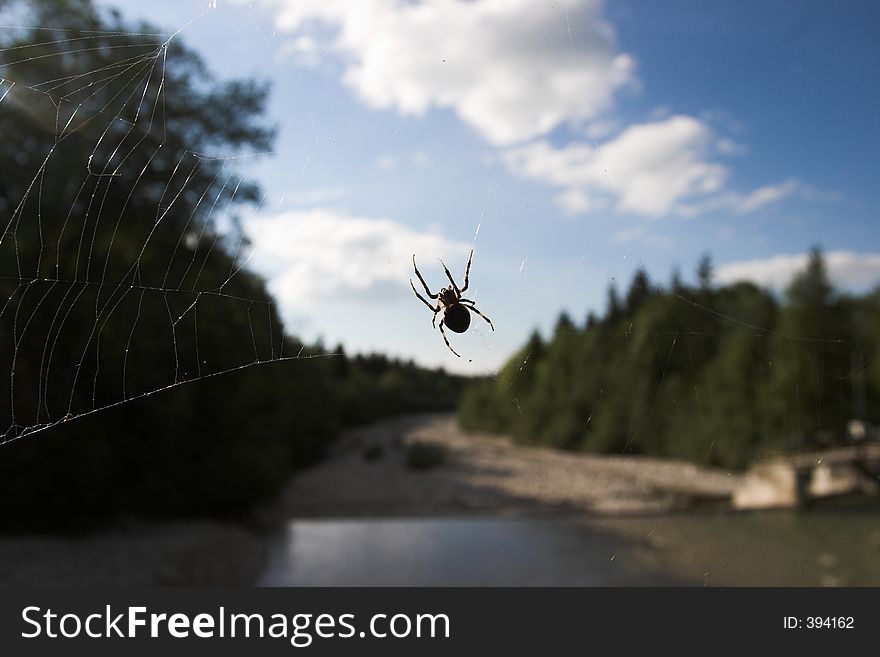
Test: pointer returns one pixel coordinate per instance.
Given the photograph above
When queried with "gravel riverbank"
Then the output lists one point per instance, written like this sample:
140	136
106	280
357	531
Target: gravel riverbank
367	475
489	475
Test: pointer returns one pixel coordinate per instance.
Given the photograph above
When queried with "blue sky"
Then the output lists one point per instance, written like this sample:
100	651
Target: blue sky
568	142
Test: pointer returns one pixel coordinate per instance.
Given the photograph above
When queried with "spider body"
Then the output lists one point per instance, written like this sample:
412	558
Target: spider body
457	318
455	308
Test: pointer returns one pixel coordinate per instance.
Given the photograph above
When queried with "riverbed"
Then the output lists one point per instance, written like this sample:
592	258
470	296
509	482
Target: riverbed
484	512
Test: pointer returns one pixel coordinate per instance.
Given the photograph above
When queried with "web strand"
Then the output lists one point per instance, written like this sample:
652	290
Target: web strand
80	292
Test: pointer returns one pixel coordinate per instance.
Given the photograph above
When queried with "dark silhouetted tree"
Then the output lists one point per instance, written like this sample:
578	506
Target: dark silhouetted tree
639	290
613	308
705	272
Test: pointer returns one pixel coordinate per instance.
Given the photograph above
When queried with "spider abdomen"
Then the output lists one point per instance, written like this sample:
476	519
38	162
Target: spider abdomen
457	318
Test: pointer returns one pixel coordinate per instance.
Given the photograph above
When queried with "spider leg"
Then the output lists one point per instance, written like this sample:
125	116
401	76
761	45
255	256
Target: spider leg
447	341
470	306
424	301
449	276
467	271
432	296
434	318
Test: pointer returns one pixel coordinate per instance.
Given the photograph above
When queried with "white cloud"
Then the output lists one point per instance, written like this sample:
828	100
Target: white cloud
652	169
649	169
765	195
727	146
305	50
515	70
511	69
315	196
602	128
642	234
575	201
418	158
743	203
386	162
846	268
313	255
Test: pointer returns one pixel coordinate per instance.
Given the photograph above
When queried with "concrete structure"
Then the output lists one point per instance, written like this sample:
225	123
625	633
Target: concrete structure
791	481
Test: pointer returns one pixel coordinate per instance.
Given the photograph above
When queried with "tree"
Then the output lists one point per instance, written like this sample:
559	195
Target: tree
715	382
811	288
639	290
676	284
865	379
705	272
113	257
719	417
564	324
613	309
808	389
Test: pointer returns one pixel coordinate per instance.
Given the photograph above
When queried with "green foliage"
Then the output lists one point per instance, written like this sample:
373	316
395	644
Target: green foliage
118	284
712	374
375	386
613	310
639	290
809	389
705	272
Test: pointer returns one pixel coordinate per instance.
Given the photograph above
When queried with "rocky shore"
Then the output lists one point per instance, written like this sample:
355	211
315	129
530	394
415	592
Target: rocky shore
489	475
370	473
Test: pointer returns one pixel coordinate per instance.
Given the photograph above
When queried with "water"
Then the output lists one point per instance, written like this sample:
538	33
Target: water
815	548
447	552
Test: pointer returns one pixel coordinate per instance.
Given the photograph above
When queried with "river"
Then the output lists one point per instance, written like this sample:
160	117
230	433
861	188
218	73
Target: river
835	544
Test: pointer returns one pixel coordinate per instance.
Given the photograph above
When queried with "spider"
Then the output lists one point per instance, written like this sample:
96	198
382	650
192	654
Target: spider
449	300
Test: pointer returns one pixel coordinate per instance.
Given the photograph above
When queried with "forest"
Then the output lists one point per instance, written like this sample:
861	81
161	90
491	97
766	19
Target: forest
117	283
717	374
147	372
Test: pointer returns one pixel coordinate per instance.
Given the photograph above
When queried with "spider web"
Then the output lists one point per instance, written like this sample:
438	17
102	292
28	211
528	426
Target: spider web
84	286
98	311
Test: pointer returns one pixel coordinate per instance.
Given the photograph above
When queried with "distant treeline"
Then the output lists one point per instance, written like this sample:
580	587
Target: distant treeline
215	447
714	374
122	302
